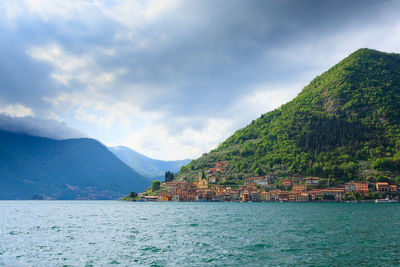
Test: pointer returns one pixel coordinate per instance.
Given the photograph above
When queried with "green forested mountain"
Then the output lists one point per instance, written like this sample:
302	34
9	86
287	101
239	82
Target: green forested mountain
344	125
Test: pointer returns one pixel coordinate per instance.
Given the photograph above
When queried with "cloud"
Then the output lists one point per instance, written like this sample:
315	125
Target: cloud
174	78
38	127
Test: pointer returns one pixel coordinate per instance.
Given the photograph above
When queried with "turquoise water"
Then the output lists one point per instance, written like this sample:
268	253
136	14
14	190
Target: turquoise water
98	233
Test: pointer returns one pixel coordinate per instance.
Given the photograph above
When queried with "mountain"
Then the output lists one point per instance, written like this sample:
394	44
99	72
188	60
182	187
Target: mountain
153	168
83	168
344	125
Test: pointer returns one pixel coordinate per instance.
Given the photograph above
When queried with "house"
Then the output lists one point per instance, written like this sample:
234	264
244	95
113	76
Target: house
164	196
302	197
265	196
382	187
212	170
337	193
283	195
221	164
262	180
299	187
212	178
172	187
287	182
357	186
393	188
312	180
222	179
292	196
315	194
274	195
245	197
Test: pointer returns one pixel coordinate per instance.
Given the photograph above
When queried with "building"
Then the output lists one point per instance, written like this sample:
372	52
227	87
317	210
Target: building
212	170
283	196
287	182
382	187
262	180
212	178
337	193
357	186
302	197
312	181
393	188
315	194
172	187
299	187
221	164
202	183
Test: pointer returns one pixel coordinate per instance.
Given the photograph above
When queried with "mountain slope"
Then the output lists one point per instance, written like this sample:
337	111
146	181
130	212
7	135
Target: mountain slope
66	169
155	169
344	125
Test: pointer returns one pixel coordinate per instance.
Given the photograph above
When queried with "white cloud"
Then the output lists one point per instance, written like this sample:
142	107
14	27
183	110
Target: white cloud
16	110
157	141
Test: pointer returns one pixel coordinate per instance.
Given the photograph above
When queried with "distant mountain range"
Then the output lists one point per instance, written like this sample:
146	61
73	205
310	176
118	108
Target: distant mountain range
82	168
344	125
153	168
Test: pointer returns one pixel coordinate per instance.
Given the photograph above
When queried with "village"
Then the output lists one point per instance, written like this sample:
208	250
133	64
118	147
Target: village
265	189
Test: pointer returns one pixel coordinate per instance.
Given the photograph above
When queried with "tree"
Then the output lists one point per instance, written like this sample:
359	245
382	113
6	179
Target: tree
155	185
169	176
132	195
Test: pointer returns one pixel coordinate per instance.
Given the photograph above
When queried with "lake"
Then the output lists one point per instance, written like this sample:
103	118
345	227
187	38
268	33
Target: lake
98	233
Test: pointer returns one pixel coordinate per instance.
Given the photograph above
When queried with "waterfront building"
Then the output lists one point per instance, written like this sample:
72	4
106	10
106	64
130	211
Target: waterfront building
382	187
302	197
337	193
361	187
172	187
393	188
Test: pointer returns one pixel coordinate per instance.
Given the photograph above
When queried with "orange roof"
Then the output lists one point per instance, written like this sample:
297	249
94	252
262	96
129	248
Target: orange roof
382	183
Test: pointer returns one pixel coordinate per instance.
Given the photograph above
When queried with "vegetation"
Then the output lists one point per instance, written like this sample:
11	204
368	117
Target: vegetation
345	125
132	196
169	176
155	185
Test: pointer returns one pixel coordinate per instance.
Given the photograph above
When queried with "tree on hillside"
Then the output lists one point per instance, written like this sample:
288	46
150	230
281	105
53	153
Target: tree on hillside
169	176
155	185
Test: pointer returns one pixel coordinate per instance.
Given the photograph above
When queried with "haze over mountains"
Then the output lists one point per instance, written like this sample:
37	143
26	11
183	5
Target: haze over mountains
152	168
344	125
62	169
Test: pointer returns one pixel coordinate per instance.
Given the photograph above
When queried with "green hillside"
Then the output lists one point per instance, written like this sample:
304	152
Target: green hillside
344	126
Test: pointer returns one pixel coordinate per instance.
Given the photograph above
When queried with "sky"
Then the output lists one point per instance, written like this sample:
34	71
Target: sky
171	79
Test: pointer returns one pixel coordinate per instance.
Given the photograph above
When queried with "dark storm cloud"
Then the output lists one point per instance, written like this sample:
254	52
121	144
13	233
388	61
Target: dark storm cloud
38	127
198	60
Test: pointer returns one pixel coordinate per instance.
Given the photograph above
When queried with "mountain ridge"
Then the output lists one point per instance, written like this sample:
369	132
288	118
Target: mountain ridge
80	168
146	166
